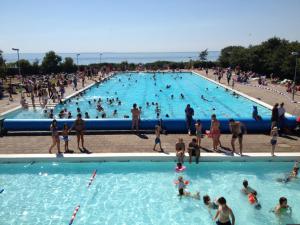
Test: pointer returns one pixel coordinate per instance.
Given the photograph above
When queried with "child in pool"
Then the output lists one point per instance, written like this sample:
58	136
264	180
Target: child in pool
283	208
183	192
293	174
253	200
208	203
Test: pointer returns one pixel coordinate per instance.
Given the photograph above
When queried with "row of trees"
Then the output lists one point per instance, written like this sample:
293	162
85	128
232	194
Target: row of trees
270	57
51	63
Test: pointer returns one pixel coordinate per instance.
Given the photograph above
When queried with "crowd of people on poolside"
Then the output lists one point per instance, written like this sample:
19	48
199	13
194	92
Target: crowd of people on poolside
48	87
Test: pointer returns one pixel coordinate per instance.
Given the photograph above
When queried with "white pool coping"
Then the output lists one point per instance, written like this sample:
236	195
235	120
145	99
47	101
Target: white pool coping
241	93
156	157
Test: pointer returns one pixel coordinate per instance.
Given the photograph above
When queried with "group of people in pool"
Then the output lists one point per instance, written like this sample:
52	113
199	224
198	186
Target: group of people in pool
224	214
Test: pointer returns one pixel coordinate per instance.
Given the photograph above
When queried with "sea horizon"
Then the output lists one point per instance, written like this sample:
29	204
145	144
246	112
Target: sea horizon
86	58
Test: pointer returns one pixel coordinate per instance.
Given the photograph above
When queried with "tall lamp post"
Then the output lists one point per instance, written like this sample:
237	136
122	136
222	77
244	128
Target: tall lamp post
100	56
18	63
77	60
296	54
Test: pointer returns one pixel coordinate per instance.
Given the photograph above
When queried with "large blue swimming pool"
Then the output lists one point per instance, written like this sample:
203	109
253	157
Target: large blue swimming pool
140	193
142	87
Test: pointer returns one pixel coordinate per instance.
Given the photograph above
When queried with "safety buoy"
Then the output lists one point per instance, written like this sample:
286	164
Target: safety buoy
182	168
186	182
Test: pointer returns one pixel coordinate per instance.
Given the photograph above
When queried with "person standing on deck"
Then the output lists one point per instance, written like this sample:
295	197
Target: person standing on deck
135	117
237	129
274	117
281	118
189	113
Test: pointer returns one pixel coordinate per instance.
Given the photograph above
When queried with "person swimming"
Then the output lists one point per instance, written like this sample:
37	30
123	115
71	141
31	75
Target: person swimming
293	174
208	203
181	190
282	208
246	188
252	198
181	96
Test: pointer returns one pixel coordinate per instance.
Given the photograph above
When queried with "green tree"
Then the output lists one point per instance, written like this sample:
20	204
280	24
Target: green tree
2	65
203	55
51	62
68	65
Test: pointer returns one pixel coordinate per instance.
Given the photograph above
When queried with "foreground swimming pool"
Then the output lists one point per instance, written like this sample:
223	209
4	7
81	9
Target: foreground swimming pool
141	88
139	193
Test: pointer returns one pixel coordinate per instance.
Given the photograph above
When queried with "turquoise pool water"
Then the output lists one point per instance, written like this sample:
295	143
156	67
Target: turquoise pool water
139	193
141	88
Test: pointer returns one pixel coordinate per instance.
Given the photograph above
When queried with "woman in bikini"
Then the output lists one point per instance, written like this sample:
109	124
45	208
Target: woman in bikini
215	132
79	127
55	137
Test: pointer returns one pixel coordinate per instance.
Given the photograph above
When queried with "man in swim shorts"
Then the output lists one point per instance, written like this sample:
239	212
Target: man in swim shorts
194	150
157	138
224	213
135	112
237	129
189	113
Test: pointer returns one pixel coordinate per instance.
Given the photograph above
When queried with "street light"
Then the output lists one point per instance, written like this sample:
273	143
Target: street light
100	57
16	49
295	75
77	58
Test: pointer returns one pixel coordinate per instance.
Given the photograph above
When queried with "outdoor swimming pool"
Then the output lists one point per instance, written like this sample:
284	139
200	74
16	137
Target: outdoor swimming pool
142	87
140	192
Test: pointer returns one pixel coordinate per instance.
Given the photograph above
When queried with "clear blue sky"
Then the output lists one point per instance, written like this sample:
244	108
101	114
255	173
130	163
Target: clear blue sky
143	25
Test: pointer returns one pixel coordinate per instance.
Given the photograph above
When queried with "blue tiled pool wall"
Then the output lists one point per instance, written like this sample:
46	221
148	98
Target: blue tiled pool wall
171	125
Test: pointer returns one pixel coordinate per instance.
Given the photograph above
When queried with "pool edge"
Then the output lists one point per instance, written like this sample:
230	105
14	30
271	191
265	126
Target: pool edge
157	157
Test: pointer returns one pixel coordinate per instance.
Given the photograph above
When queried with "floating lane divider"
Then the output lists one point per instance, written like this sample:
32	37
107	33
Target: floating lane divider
77	207
74	214
92	178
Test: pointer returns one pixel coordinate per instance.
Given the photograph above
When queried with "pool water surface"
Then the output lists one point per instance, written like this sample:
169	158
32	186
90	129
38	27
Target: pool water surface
140	193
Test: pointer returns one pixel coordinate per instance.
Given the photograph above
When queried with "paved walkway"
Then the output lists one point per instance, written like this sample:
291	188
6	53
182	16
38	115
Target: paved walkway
264	95
134	143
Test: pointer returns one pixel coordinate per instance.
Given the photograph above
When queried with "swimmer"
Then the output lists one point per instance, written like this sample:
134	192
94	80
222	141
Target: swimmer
147	104
86	115
167	115
115	113
209	204
172	96
78	110
203	98
252	198
283	208
246	188
182	192
89	102
293	174
69	115
181	96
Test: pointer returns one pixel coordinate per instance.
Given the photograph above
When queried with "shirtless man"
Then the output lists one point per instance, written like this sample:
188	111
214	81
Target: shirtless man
135	117
180	149
215	132
237	129
79	127
224	213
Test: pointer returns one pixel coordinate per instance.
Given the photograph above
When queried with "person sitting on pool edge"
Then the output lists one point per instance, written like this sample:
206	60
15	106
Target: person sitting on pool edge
194	150
182	192
246	188
209	204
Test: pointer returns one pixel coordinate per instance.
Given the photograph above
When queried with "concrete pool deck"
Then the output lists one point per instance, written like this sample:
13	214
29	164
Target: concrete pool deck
131	143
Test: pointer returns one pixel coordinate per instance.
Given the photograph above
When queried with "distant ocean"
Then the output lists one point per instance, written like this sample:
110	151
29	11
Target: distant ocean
89	58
